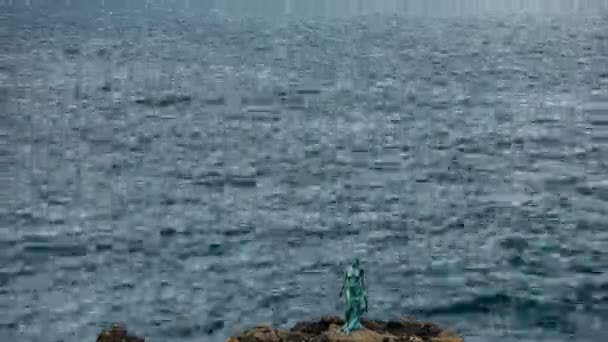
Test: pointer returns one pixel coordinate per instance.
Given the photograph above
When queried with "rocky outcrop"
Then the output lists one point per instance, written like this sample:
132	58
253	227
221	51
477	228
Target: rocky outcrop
327	330
117	333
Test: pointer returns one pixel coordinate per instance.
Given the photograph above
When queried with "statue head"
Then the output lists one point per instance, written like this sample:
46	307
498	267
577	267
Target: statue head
354	270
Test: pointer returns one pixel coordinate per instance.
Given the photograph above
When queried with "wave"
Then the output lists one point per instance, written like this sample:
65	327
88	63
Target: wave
529	312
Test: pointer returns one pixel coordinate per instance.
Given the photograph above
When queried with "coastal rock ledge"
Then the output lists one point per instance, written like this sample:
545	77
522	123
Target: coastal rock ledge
117	333
327	330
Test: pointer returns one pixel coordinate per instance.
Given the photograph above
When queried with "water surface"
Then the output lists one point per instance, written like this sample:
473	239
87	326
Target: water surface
195	169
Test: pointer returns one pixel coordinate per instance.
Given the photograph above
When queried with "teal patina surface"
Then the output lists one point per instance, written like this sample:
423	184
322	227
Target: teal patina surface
355	293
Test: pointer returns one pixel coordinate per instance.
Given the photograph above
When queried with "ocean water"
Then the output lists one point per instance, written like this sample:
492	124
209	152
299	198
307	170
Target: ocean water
194	168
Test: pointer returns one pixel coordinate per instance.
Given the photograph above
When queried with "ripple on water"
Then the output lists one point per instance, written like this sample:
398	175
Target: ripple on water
596	114
54	249
598	189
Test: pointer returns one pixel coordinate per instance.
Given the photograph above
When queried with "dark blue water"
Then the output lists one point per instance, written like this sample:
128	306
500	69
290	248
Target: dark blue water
192	169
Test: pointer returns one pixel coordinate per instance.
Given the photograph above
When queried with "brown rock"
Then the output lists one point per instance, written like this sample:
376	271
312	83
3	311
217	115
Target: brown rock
117	333
327	329
363	335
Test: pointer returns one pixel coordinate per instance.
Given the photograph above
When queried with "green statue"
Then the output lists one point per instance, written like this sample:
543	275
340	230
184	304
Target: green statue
356	297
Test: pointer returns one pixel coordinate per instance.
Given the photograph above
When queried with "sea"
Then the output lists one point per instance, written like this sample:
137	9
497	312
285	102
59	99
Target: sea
194	168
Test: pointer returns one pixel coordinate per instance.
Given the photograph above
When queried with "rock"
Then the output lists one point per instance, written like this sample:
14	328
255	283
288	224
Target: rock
327	329
117	333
